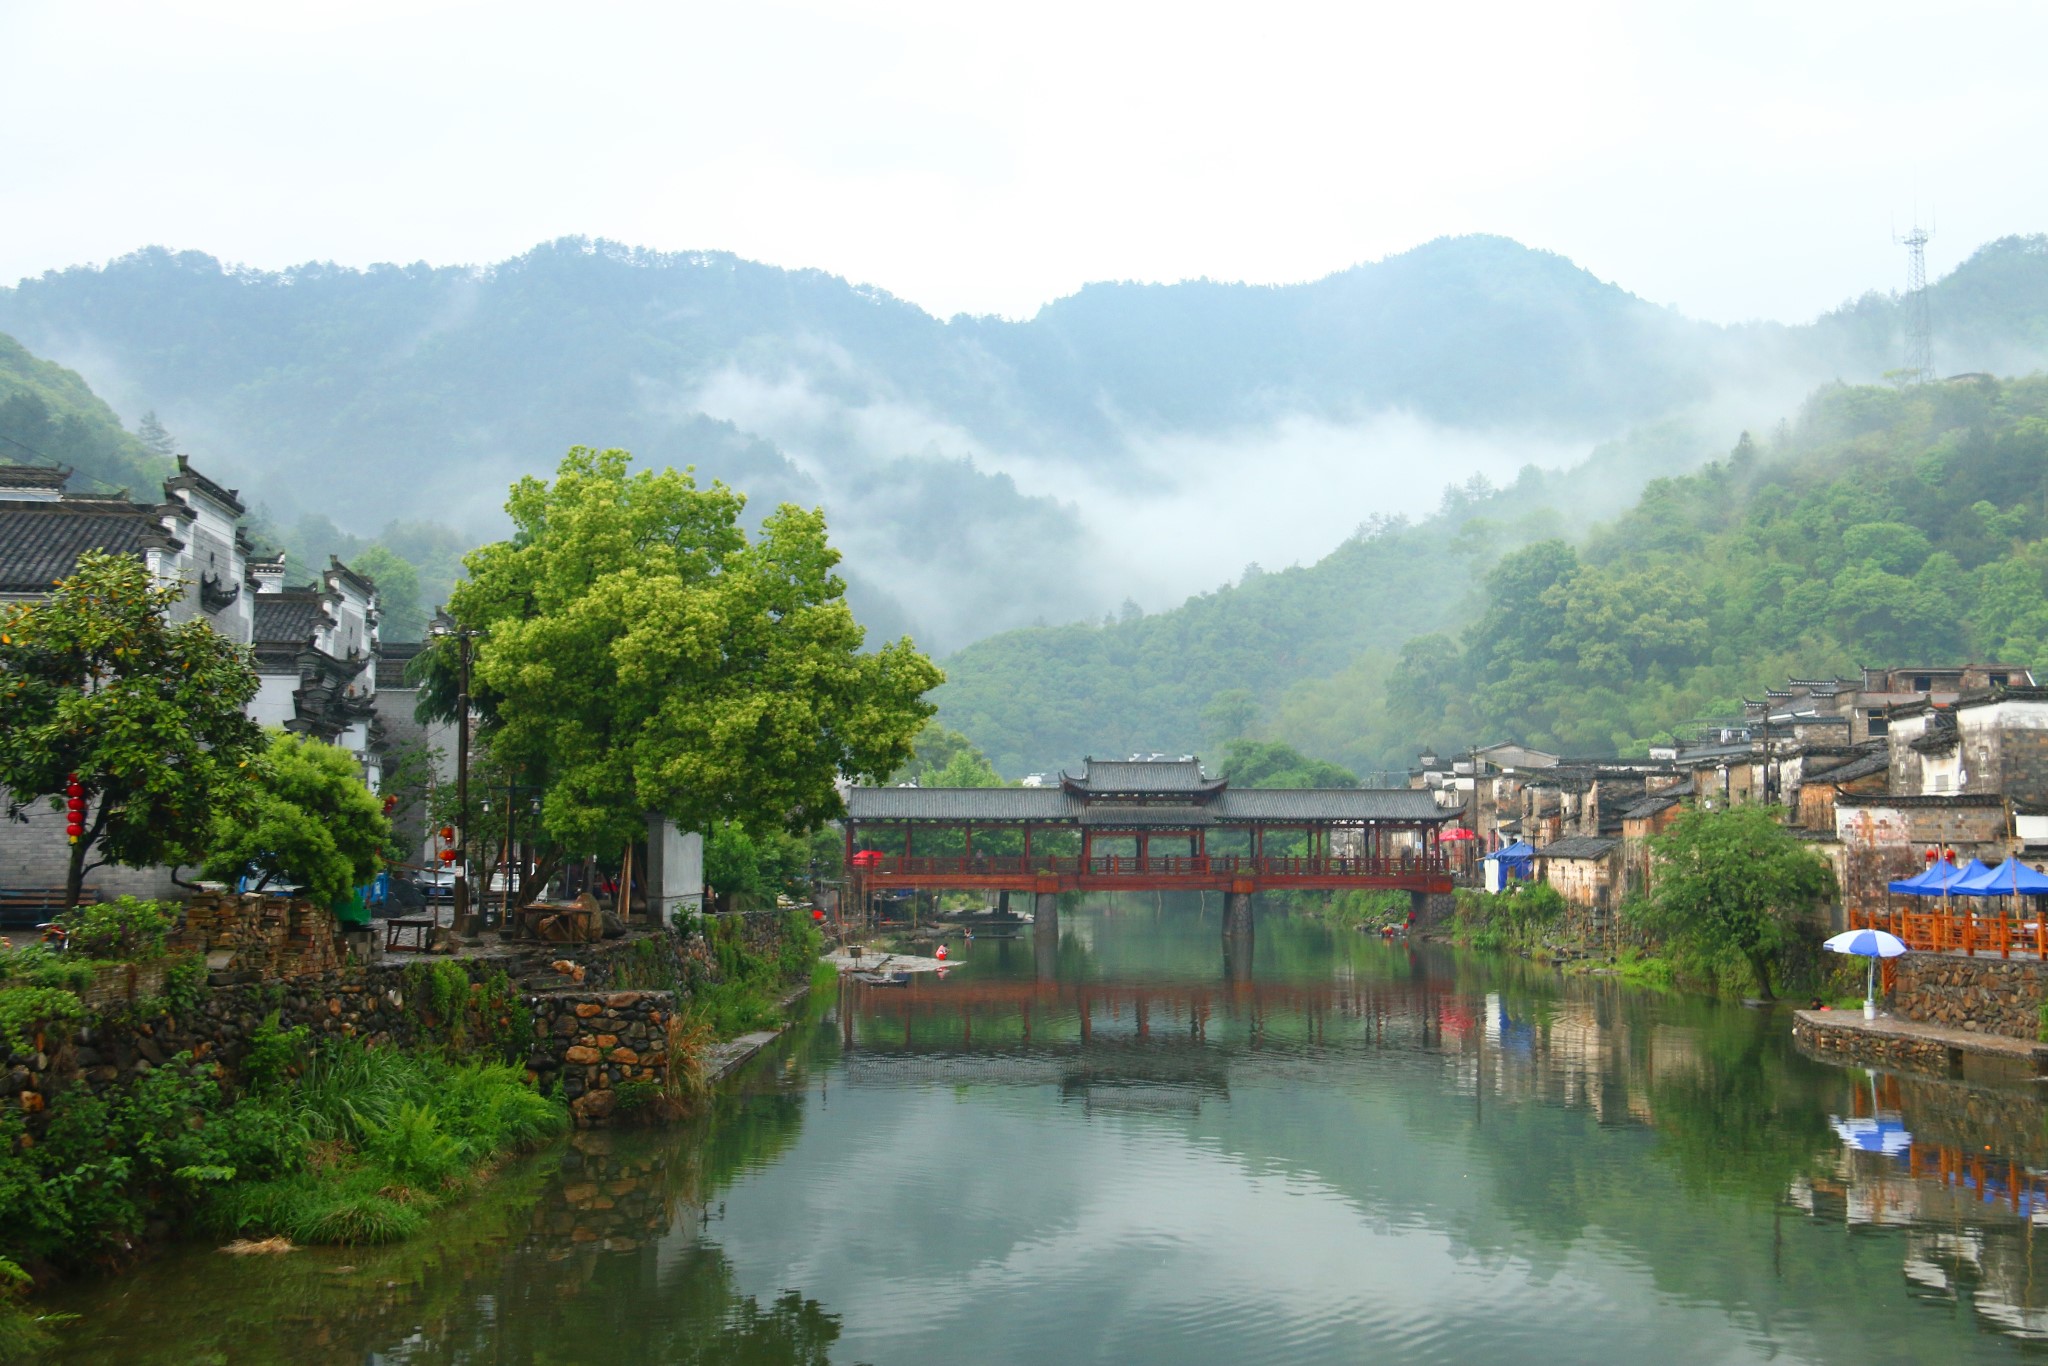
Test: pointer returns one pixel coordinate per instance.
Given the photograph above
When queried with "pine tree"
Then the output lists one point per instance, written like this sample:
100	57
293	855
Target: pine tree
153	435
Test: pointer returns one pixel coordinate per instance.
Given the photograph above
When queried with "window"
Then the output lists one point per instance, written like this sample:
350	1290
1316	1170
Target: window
1941	782
1999	680
1922	682
1877	722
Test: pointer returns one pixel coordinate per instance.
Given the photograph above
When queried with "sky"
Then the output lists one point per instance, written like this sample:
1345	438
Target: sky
1736	160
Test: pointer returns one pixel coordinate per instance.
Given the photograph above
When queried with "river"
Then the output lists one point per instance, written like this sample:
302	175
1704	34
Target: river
1362	1151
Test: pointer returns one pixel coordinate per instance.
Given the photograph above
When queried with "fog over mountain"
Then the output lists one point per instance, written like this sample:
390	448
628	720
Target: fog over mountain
1130	442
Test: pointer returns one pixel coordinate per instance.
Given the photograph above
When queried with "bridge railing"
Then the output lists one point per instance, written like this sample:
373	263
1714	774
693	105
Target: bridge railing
1157	865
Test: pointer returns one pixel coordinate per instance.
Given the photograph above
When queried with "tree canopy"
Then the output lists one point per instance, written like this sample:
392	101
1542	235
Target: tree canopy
648	657
313	822
1265	763
1734	879
149	716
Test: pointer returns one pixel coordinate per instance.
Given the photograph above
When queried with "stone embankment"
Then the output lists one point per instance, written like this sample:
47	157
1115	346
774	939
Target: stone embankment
1945	1011
594	1018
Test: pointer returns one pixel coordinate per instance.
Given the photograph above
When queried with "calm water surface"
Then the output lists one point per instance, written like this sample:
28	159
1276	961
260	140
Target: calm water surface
1138	1153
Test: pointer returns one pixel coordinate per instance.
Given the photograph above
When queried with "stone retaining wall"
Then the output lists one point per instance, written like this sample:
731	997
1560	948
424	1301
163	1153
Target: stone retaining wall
1854	1046
608	1050
597	1029
261	936
1982	995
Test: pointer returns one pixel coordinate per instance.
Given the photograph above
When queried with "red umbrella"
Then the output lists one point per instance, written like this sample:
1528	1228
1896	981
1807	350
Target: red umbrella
1457	832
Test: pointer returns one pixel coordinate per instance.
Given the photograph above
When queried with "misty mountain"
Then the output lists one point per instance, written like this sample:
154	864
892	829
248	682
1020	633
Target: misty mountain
1129	441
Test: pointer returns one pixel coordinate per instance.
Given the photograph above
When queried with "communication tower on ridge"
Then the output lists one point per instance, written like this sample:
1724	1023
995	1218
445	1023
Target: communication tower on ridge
1919	324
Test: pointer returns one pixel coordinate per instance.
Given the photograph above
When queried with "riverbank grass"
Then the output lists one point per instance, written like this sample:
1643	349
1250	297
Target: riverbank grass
382	1139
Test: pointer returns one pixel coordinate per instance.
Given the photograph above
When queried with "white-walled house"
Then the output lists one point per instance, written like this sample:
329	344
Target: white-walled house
316	647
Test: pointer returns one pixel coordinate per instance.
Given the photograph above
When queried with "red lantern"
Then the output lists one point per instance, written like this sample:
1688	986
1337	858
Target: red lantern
447	834
447	856
1931	856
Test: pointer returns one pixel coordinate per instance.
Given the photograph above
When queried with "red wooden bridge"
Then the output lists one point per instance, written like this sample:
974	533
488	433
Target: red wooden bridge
1145	825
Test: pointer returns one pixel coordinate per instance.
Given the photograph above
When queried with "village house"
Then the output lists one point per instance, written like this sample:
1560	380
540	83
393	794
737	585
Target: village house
317	648
1584	871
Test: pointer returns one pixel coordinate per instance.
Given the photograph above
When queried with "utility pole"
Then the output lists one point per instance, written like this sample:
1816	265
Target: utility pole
443	627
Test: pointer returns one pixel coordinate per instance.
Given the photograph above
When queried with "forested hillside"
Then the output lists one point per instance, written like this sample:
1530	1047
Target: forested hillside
1884	525
980	473
49	416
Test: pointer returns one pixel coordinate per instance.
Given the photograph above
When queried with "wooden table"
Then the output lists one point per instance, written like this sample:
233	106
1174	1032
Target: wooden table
418	929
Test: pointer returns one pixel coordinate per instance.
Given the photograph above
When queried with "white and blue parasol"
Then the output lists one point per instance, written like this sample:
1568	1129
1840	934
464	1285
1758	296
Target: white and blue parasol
1871	944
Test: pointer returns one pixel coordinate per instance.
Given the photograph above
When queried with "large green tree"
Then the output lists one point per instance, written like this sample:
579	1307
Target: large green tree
1735	881
647	656
313	822
95	681
1268	763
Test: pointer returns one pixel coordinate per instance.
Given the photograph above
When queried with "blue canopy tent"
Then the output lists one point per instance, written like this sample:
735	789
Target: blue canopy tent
1517	860
1939	880
1968	877
2011	878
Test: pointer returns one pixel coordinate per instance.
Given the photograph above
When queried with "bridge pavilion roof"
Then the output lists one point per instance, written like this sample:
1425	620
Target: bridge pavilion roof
1177	780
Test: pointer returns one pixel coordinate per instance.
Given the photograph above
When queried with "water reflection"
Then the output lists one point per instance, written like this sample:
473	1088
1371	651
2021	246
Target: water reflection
1117	1144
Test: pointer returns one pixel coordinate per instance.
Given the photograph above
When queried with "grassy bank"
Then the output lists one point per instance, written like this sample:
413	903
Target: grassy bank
343	1144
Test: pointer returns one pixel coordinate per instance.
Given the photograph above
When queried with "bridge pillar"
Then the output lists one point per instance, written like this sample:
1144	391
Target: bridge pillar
1237	915
1045	932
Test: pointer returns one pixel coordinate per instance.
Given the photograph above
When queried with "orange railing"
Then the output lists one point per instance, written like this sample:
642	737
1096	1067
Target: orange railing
1959	928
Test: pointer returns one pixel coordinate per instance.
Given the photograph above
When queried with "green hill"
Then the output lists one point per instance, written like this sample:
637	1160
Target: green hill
1882	526
49	416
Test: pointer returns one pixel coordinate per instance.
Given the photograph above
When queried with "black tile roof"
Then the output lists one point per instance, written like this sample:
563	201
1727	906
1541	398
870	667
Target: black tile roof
1579	846
1864	767
289	618
40	541
1643	810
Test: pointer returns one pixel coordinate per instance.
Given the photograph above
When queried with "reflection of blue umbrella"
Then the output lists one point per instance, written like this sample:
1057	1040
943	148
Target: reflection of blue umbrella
1887	1136
1871	944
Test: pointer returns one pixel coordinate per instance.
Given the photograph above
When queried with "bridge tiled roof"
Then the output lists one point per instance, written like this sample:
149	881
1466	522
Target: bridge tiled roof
998	805
1122	816
992	804
1331	804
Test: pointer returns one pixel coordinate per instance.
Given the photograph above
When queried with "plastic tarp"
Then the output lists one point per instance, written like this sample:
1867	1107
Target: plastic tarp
2011	878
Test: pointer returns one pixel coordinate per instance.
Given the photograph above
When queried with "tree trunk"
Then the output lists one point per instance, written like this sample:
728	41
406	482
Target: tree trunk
74	875
1760	964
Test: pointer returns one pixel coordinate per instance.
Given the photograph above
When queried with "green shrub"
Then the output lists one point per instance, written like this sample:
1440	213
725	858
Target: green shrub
26	1012
273	1052
38	966
124	930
